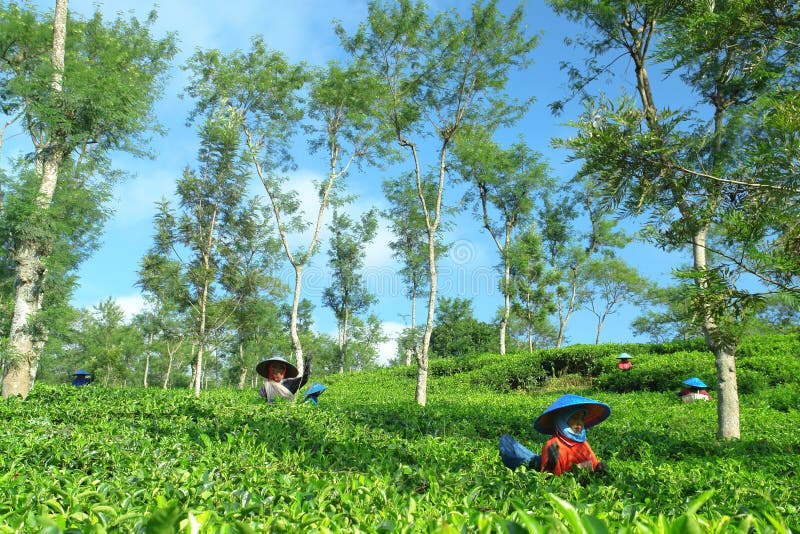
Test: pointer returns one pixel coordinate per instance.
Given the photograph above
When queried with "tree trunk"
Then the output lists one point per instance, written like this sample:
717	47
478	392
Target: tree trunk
30	271
530	337
421	395
297	348
506	304
27	301
243	368
563	318
562	324
727	394
198	371
242	376
194	368
600	321
147	359
146	368
165	385
724	356
414	343
202	341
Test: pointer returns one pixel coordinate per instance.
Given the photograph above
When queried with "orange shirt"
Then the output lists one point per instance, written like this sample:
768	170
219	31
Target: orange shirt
570	453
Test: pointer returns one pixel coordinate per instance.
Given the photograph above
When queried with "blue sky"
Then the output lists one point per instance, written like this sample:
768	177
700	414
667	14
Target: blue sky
302	30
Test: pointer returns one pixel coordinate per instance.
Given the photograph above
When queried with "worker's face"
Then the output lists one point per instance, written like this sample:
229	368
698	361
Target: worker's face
276	372
575	422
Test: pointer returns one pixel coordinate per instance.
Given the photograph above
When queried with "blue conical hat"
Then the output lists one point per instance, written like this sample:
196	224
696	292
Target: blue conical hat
263	367
624	356
596	412
81	372
695	382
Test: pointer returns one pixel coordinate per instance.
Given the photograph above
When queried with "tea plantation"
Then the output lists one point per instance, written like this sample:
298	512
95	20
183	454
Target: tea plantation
369	459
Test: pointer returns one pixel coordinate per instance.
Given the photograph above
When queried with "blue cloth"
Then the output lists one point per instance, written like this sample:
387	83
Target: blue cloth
313	392
514	454
565	430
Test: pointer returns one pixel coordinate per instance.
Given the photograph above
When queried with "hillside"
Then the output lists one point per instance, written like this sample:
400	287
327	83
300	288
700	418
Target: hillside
368	459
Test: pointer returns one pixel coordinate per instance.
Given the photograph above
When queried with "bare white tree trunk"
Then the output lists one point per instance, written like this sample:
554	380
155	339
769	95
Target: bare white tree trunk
415	350
506	305
30	271
724	357
147	359
165	384
297	347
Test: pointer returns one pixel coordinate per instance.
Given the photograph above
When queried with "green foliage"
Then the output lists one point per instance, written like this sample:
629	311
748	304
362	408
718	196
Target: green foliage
369	459
659	372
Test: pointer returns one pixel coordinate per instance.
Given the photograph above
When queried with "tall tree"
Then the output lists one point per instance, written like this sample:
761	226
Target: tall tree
458	333
533	303
79	92
110	345
250	278
410	248
564	256
262	90
212	206
682	171
611	282
437	75
348	295
506	184
668	316
165	289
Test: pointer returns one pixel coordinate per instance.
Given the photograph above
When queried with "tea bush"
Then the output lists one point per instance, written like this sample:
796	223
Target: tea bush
370	459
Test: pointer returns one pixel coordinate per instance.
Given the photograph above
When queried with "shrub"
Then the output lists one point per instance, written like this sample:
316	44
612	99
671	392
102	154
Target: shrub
659	372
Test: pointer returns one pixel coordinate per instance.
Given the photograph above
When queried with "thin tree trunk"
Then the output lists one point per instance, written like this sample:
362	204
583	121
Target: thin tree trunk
530	337
724	357
243	368
165	384
30	270
194	368
297	347
421	395
506	306
414	343
563	318
202	331
599	329
422	360
147	359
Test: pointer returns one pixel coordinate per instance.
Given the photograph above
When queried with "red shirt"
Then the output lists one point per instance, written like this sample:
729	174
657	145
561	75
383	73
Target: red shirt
624	365
570	453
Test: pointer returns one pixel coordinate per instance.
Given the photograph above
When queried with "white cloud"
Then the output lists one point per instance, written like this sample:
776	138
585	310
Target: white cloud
378	254
131	305
388	350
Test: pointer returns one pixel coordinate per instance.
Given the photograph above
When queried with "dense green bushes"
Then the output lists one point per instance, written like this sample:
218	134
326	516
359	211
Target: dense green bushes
369	459
763	363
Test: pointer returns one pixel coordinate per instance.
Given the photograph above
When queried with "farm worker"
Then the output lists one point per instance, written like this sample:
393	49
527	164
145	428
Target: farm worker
313	392
282	380
624	362
694	390
566	421
81	378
